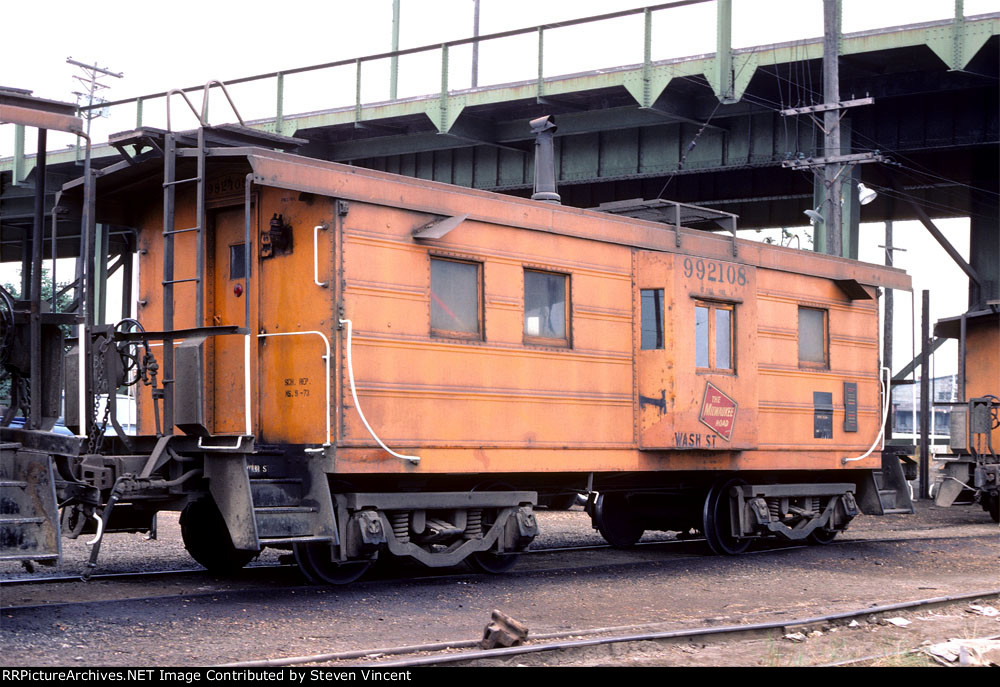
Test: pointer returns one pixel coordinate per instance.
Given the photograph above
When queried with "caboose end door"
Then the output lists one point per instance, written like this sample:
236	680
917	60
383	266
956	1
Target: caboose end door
233	288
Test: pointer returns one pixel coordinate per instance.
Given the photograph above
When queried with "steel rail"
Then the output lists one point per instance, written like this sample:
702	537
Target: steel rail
130	575
491	654
776	548
442	574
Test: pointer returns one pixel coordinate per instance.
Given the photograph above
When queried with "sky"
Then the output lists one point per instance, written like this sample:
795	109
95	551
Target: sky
158	46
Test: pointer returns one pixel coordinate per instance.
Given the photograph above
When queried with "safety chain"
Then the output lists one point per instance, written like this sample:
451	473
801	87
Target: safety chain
97	429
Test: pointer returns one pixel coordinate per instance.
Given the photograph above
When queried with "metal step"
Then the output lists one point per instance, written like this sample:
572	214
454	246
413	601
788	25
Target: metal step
285	521
281	510
893	490
6	520
272	541
286	511
880	480
29	517
887	497
276	492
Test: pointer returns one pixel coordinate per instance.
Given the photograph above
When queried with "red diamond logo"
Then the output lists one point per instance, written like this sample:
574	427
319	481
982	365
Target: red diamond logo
718	412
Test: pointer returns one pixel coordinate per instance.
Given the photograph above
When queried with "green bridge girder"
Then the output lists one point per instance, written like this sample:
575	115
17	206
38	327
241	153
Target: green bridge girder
727	72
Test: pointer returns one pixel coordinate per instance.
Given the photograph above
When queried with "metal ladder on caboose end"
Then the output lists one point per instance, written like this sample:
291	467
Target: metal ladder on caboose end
174	146
170	230
284	510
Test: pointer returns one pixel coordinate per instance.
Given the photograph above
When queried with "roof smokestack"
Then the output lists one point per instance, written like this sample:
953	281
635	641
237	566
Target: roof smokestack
544	129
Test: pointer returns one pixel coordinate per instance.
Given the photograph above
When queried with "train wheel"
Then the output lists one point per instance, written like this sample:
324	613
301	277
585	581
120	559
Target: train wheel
491	562
615	522
821	536
717	519
994	506
207	539
314	560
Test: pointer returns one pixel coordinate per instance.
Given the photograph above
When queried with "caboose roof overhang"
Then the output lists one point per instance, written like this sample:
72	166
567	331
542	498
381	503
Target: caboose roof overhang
951	327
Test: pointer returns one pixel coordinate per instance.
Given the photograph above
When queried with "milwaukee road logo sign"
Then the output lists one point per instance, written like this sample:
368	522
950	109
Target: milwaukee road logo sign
718	412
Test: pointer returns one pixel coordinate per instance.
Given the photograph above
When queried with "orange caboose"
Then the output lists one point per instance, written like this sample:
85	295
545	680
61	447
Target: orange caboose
363	362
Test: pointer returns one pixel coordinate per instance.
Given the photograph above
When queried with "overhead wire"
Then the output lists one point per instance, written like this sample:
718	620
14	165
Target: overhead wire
877	145
928	204
694	141
800	87
770	104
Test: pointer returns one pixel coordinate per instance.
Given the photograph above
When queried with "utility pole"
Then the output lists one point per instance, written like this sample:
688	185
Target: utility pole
887	324
925	393
833	163
888	320
92	85
394	60
831	125
475	45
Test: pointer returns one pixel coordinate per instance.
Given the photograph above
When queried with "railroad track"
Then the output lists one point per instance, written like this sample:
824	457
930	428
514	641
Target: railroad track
153	574
466	653
224	603
138	576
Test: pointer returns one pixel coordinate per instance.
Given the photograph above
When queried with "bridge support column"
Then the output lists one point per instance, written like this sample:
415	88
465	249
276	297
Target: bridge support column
984	233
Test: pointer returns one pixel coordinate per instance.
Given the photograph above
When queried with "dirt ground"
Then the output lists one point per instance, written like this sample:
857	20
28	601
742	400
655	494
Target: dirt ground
203	620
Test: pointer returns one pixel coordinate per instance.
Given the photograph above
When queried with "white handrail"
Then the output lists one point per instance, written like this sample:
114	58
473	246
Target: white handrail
81	390
886	385
246	381
234	447
354	393
326	343
316	255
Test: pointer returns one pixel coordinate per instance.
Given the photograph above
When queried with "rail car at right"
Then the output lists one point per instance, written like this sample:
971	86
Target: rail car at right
972	466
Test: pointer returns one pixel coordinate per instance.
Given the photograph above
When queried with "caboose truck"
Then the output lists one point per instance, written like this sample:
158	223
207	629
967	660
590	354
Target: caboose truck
973	466
340	361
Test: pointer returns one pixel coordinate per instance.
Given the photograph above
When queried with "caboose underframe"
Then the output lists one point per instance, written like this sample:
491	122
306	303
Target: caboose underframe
253	399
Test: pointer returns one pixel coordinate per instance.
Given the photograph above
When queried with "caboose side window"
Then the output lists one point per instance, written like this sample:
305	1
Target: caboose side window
546	296
651	319
713	336
456	304
813	337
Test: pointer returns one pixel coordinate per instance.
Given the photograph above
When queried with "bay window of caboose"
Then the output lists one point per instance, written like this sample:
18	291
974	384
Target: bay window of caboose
546	297
713	337
813	338
456	303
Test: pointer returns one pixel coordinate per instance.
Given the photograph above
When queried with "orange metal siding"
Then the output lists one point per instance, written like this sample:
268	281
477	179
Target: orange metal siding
499	404
421	390
982	363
